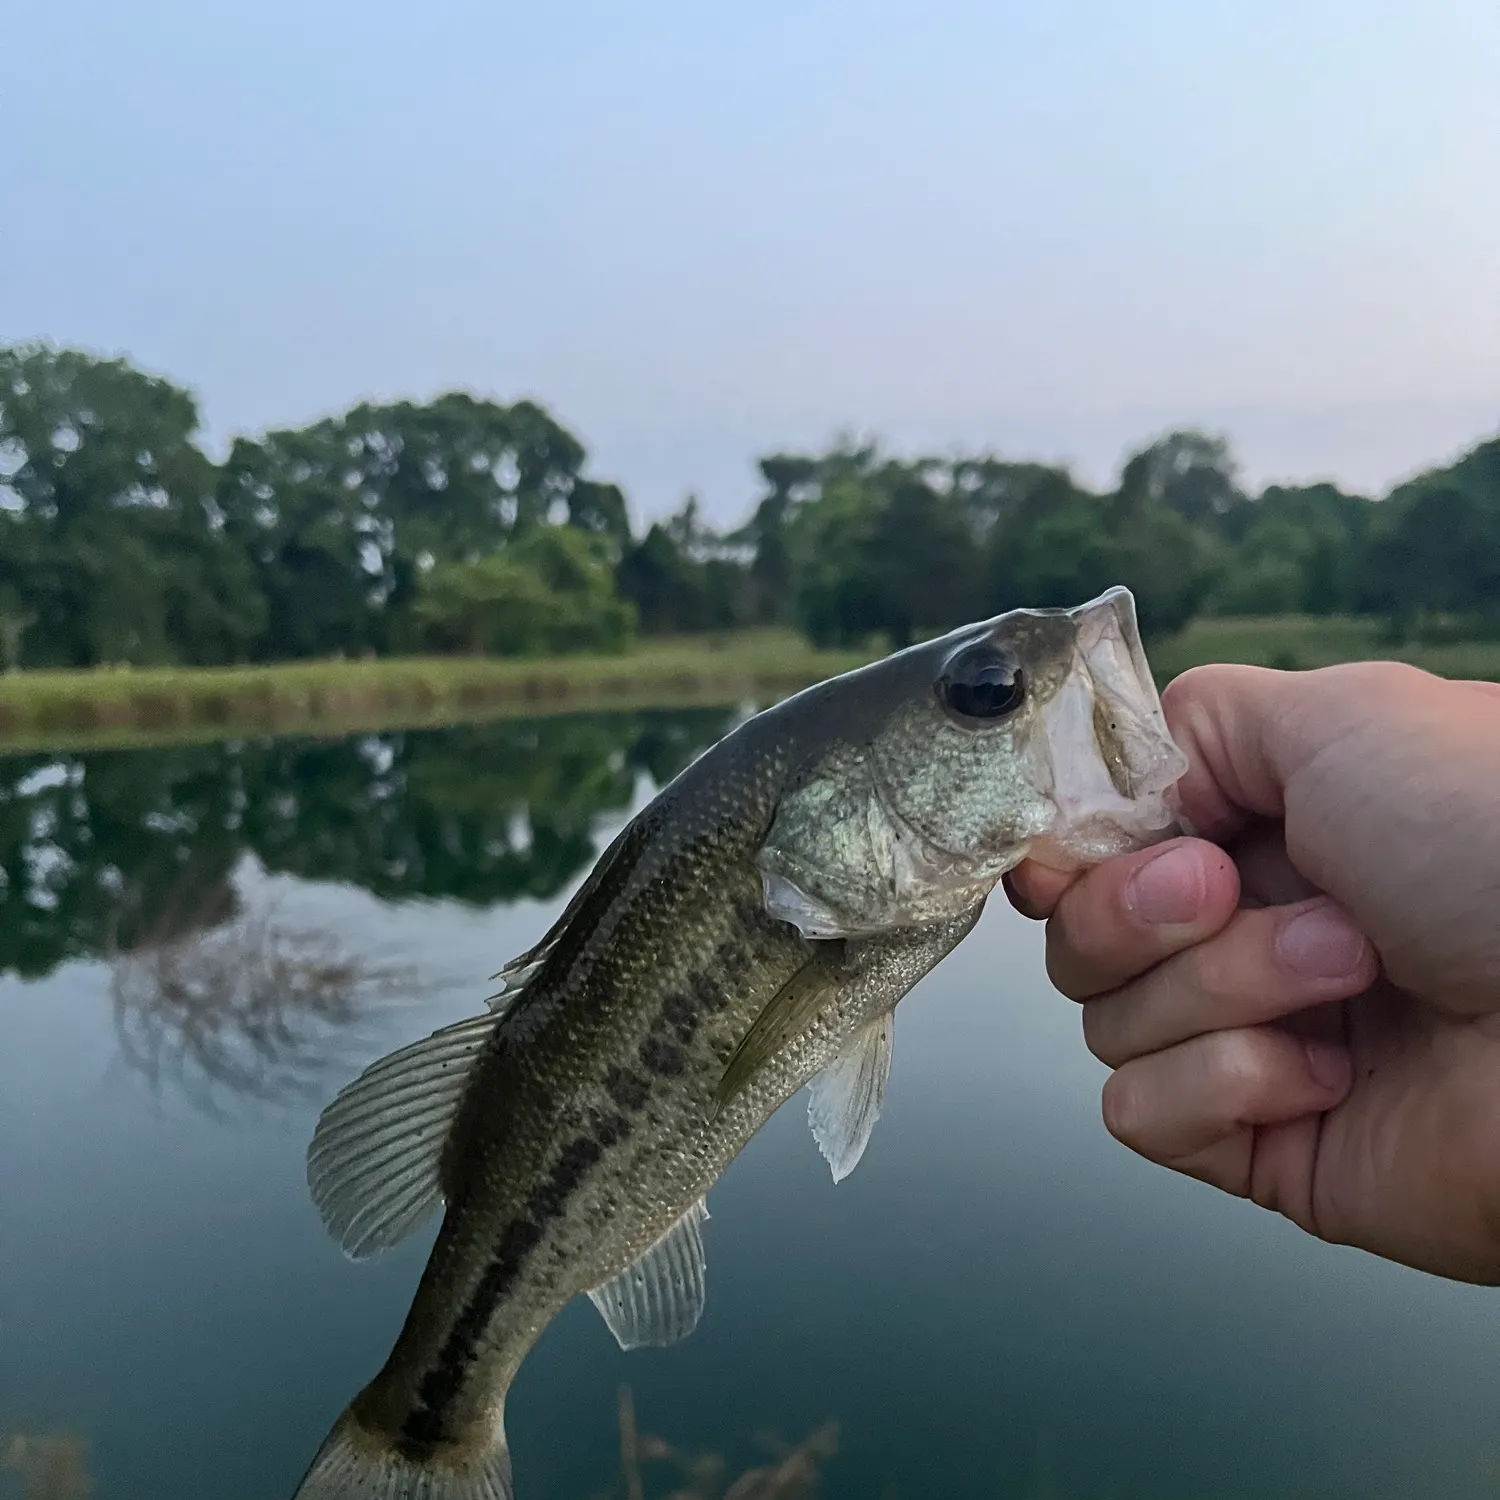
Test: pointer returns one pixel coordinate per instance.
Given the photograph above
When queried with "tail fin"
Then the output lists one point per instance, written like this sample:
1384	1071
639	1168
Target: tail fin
357	1464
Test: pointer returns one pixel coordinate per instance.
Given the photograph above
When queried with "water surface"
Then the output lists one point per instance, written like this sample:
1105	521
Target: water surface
201	945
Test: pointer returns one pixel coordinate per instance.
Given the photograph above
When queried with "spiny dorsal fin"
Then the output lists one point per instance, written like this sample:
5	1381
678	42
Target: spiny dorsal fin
659	1298
791	1009
373	1162
620	854
844	1100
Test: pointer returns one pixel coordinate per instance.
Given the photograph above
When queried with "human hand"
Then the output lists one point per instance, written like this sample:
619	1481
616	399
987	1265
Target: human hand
1306	1011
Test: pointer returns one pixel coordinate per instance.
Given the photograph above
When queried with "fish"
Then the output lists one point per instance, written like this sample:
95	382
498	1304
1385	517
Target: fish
747	935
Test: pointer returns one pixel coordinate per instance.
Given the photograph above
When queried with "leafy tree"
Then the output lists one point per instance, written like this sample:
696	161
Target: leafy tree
344	517
1190	472
112	548
289	502
1296	550
1436	553
683	577
884	550
552	591
1066	545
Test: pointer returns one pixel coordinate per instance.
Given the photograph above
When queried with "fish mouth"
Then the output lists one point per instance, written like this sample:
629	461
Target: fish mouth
1110	755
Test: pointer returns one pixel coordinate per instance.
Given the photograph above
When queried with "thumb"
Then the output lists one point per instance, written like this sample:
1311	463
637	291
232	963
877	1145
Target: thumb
1245	733
1385	779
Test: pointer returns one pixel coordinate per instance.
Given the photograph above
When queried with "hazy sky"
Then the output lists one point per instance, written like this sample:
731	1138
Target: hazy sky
700	231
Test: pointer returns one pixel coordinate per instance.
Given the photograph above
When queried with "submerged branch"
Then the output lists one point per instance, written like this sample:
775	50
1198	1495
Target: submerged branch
793	1475
51	1465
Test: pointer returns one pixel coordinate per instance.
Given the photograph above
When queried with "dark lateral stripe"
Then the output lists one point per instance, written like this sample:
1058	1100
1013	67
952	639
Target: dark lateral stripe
680	1015
663	1057
627	1088
424	1427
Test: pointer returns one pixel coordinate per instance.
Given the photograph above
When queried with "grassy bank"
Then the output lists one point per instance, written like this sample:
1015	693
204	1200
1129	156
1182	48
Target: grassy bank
126	707
57	710
1300	642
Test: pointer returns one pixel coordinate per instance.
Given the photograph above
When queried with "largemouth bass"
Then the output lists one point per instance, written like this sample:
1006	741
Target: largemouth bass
747	935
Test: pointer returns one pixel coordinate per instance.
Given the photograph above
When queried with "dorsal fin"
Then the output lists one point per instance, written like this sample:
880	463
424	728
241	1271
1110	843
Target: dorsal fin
659	1298
373	1163
616	860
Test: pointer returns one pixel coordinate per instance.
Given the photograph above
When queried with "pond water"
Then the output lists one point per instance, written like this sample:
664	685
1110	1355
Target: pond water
201	945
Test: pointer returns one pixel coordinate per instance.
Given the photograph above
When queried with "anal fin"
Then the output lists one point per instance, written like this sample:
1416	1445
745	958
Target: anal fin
845	1099
659	1299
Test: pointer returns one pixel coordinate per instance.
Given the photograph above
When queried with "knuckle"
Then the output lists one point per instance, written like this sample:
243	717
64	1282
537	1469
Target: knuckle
1216	971
1193	682
1237	1061
1379	676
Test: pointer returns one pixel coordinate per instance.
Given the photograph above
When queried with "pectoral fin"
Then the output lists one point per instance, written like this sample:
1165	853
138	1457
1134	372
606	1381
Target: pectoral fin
792	1009
844	1100
659	1299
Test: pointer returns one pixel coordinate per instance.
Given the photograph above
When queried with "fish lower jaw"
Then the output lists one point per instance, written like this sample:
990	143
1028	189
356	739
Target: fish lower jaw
1091	839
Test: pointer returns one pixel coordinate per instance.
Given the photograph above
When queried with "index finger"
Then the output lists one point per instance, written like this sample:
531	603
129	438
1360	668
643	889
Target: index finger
1034	890
1125	916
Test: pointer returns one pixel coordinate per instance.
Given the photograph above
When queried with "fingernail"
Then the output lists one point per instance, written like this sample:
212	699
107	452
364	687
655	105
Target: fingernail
1329	1064
1322	943
1168	892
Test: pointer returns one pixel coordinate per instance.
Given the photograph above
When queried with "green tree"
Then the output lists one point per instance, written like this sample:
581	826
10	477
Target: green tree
1064	544
113	549
344	517
683	577
1435	558
291	504
1296	549
884	550
1190	472
551	591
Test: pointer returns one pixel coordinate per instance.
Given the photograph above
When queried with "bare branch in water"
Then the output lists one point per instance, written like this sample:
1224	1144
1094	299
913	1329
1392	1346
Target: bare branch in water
253	1006
701	1476
630	1461
51	1465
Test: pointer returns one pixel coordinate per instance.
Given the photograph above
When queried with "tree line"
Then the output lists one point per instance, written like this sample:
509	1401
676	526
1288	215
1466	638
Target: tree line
466	525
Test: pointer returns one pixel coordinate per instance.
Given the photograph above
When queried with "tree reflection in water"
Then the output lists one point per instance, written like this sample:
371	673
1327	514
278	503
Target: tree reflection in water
254	1006
132	857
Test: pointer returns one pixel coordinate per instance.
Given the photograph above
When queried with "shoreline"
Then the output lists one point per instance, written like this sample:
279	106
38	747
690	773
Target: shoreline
122	708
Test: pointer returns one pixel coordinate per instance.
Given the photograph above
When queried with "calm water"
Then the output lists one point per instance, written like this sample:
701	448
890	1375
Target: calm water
201	945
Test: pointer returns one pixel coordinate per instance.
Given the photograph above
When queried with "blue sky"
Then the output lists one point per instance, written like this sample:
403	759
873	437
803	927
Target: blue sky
699	232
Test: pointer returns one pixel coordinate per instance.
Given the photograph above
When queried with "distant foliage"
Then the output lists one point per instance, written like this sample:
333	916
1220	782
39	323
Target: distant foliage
463	525
120	542
552	591
1436	558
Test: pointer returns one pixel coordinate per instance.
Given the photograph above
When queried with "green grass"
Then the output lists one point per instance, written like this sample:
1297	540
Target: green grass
1301	642
123	707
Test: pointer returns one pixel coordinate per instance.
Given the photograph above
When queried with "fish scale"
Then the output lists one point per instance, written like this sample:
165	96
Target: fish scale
748	934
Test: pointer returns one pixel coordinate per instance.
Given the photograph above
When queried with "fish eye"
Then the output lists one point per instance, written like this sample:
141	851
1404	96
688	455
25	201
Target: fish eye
982	682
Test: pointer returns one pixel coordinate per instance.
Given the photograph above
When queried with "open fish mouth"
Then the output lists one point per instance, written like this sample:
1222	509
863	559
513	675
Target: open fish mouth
1106	753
